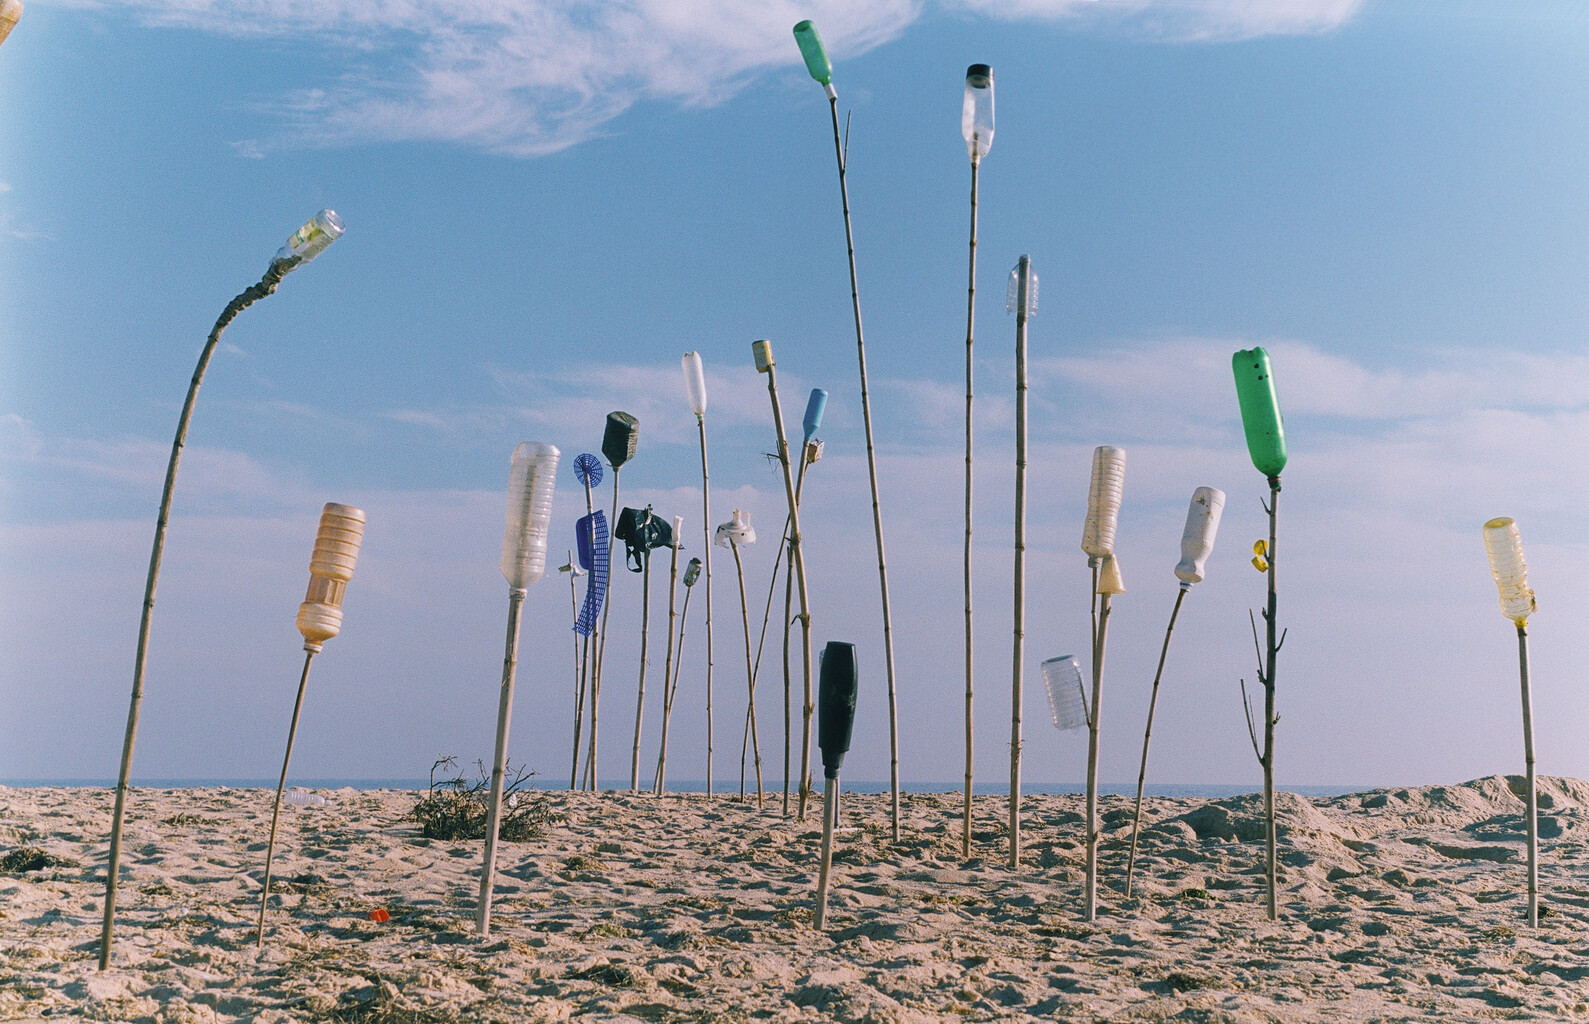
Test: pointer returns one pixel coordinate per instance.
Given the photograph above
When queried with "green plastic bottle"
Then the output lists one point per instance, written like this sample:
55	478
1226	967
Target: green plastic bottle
1260	411
811	49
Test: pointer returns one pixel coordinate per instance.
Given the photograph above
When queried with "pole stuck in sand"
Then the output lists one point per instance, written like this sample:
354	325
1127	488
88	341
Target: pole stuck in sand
692	572
1266	444
531	482
590	534
336	551
1197	543
618	442
1022	301
1505	548
642	531
821	69
695	392
761	352
836	723
976	125
303	246
731	535
1098	540
575	571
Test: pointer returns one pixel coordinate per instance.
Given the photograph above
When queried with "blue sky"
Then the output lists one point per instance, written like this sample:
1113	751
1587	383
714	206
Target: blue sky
546	206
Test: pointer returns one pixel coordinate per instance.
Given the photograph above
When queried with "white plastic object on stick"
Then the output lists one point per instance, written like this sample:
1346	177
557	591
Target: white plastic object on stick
1103	501
1505	548
976	112
736	531
336	550
530	484
1067	707
678	532
695	382
1197	540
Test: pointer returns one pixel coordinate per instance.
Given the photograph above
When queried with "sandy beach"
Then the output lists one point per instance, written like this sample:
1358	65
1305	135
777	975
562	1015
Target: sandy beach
1396	904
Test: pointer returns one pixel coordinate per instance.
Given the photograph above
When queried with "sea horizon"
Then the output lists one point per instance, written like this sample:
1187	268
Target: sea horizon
1211	791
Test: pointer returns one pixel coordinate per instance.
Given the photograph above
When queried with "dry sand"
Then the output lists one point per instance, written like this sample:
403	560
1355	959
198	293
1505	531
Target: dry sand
1399	904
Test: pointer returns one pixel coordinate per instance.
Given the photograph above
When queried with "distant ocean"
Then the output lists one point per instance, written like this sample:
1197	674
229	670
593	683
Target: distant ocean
722	788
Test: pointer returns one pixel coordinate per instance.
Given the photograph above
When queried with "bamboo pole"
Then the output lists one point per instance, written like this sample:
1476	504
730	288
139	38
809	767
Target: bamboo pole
1147	737
706	535
1022	312
971	305
690	575
841	153
640	699
1533	797
1092	756
499	763
750	680
592	780
586	666
762	351
281	785
667	661
267	285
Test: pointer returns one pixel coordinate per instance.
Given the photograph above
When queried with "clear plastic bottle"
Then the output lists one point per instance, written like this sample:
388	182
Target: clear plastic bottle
312	239
1197	540
531	482
1067	707
336	551
976	113
1505	547
1022	289
1103	500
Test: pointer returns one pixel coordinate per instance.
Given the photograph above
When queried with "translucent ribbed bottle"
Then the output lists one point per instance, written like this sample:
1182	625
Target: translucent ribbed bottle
1103	501
531	482
1505	548
1062	679
336	550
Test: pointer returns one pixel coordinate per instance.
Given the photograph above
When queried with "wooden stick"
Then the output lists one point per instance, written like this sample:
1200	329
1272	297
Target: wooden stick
839	152
673	690
667	663
586	665
750	679
275	814
794	529
640	699
1533	799
830	803
1019	644
592	780
266	286
1147	736
1092	756
499	763
971	307
706	556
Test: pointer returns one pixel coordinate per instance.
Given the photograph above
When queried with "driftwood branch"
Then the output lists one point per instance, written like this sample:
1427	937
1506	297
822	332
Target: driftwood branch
1252	731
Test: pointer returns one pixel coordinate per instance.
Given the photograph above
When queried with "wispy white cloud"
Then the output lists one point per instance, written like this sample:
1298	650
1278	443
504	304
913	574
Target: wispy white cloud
534	77
1185	20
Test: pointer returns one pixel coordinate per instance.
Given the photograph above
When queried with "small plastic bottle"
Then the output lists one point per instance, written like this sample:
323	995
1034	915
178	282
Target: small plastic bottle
336	550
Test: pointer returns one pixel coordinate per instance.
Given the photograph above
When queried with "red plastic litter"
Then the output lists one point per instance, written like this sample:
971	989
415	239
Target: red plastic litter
380	914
